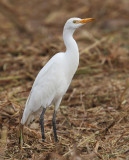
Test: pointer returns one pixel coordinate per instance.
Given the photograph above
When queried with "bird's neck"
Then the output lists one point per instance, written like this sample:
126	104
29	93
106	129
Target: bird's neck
70	43
71	54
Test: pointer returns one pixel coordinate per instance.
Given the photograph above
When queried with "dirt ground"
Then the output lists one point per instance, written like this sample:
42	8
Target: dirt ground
93	119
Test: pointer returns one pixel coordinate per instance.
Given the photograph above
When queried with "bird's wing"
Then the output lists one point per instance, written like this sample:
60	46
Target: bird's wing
46	85
41	81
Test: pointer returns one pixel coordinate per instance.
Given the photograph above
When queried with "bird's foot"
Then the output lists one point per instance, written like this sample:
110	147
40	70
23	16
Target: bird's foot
56	139
43	140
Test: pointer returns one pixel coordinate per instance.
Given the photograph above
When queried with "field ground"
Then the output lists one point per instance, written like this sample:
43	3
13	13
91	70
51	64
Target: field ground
93	119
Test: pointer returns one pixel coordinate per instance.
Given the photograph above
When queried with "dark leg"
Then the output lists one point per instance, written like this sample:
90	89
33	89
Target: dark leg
42	123
54	126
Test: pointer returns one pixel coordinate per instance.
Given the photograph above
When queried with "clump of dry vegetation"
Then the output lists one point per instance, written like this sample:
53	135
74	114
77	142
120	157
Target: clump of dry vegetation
92	121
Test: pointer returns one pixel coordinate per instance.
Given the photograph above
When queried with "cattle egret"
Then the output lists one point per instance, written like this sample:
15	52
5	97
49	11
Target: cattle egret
54	79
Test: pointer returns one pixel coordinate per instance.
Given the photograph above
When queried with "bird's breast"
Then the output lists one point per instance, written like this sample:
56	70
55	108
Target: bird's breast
72	63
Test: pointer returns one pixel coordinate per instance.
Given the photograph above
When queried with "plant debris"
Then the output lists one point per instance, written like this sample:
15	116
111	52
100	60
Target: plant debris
92	121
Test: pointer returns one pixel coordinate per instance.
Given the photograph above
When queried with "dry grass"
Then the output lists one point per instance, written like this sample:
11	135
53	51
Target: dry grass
92	121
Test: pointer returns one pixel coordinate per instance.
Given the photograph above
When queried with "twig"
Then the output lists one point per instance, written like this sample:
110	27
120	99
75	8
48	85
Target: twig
87	49
88	70
66	117
108	127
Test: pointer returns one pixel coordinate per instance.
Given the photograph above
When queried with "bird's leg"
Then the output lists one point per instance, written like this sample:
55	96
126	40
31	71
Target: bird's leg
54	126
42	123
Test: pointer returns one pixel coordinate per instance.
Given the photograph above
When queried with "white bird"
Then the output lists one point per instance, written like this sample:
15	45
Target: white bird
54	79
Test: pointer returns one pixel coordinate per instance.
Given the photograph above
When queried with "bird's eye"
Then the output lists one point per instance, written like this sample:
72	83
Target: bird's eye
74	21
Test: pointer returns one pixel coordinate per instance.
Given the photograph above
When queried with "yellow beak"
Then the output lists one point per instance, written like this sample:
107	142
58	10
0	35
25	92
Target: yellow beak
85	20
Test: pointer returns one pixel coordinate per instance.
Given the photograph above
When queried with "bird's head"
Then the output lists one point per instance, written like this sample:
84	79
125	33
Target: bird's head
74	23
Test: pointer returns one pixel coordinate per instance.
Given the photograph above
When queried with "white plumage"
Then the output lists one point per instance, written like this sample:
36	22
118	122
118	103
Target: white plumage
55	77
